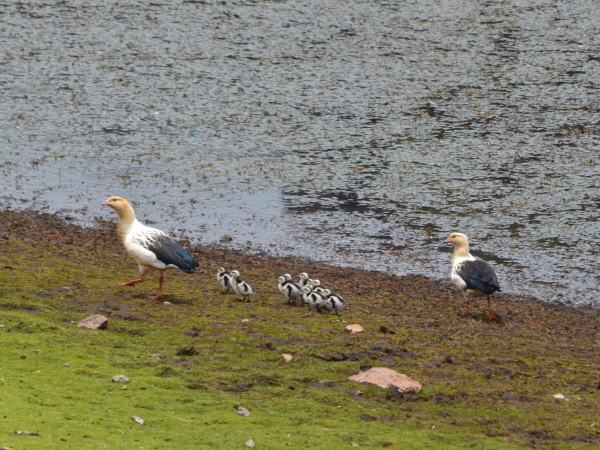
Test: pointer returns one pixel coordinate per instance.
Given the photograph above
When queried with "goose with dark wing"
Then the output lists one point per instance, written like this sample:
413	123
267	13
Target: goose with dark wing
153	250
473	276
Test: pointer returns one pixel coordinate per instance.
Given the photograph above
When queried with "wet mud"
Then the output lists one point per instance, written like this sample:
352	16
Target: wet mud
356	133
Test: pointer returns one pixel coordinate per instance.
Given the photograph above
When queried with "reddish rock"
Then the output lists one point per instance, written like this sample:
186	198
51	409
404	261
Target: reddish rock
287	358
386	378
355	328
95	322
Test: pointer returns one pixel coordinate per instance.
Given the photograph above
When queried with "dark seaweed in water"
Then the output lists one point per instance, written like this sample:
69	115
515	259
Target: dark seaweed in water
361	133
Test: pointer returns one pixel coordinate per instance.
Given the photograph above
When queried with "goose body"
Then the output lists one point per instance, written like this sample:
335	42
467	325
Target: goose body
290	289
333	302
152	249
473	276
241	288
314	299
318	287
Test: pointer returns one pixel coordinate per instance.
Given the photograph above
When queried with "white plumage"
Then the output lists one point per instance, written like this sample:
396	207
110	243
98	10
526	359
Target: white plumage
290	289
152	249
317	287
333	302
473	276
314	299
224	279
240	287
303	278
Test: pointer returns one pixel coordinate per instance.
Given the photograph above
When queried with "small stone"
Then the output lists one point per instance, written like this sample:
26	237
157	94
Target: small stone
138	419
287	358
355	328
124	388
120	379
66	365
167	303
243	411
246	320
250	443
95	322
386	378
559	396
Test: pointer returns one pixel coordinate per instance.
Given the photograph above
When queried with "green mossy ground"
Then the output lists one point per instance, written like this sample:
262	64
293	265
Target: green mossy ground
193	362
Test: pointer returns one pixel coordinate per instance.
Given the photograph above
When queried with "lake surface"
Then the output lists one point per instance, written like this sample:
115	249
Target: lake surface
360	133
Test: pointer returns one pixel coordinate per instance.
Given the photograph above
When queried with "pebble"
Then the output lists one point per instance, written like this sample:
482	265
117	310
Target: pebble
120	379
355	328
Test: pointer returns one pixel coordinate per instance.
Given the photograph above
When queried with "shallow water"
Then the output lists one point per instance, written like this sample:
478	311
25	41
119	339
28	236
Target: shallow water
359	133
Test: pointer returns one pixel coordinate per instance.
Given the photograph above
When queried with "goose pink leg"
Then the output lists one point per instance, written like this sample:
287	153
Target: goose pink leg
131	282
490	315
160	289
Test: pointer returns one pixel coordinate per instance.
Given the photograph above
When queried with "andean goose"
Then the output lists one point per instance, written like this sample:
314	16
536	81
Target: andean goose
303	278
224	279
474	277
152	249
290	289
314	299
241	288
334	302
317	286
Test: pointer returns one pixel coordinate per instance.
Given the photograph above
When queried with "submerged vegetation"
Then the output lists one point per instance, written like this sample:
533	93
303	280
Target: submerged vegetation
197	355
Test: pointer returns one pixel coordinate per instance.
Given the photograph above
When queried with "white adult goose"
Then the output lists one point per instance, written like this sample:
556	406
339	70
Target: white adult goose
152	249
473	276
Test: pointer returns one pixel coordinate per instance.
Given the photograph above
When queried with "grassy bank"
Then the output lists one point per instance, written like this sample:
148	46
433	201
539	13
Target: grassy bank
193	362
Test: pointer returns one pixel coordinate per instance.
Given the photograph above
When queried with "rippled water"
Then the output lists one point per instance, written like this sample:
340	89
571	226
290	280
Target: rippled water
359	133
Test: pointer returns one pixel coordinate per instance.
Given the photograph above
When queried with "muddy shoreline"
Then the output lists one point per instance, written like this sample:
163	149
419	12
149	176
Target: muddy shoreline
552	317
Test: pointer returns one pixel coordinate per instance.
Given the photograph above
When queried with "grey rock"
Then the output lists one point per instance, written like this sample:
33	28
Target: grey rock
95	322
243	411
120	379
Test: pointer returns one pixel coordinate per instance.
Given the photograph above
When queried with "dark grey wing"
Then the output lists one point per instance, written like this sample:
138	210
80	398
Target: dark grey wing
169	252
479	275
